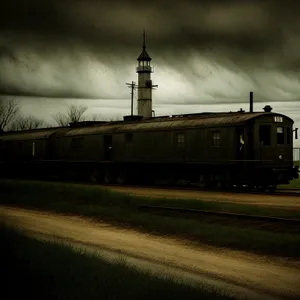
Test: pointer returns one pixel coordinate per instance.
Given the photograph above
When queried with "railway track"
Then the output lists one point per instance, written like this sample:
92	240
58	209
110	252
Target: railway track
278	192
210	216
199	212
287	191
267	222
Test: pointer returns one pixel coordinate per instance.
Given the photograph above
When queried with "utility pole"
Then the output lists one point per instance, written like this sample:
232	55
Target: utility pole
133	86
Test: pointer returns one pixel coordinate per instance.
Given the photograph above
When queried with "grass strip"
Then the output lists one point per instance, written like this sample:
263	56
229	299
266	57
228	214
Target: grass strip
30	192
119	209
47	270
294	184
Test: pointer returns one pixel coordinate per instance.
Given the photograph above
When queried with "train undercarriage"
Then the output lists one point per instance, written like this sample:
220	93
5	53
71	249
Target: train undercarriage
206	176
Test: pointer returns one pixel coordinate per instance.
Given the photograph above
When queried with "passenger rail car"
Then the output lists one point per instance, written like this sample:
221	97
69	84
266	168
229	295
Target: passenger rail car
224	149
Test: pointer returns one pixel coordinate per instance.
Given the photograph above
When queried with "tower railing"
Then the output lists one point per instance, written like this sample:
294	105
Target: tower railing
144	68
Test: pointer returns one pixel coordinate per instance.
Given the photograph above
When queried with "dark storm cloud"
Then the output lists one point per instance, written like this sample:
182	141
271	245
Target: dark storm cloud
246	25
64	48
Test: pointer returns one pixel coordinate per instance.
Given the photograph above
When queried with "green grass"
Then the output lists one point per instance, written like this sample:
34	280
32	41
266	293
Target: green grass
120	209
62	194
294	184
46	270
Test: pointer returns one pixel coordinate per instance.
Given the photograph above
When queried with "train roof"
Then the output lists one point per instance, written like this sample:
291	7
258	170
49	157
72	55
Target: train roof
176	122
168	123
34	134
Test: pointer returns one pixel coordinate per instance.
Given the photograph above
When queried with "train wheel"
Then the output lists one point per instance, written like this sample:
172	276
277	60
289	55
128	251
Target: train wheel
272	188
262	188
206	181
93	176
121	178
108	177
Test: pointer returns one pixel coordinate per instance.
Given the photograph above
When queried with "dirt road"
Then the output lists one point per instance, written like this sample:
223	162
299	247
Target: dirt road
246	276
292	202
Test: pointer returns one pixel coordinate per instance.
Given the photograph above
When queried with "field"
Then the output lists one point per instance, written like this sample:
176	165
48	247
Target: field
120	209
294	184
47	270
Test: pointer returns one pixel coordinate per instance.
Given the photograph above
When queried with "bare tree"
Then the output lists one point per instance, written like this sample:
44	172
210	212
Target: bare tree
115	118
27	123
95	117
74	114
9	110
99	117
61	119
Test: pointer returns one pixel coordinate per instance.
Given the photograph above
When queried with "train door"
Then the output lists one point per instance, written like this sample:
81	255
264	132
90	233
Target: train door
180	141
265	142
240	143
107	147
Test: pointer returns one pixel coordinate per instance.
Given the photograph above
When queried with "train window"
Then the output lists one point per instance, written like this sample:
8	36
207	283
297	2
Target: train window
265	135
216	138
180	139
77	143
128	138
280	135
288	136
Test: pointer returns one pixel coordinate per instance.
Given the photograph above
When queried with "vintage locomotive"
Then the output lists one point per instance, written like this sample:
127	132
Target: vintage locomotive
212	149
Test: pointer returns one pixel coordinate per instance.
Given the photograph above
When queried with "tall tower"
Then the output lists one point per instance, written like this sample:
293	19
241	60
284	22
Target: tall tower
145	86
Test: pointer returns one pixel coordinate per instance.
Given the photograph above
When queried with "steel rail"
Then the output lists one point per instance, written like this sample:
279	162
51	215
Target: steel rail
219	214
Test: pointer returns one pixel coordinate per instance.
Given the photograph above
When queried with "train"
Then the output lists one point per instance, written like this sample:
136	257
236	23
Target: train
213	149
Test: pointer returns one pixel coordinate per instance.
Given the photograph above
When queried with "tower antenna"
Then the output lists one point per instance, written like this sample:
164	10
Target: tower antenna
133	86
144	39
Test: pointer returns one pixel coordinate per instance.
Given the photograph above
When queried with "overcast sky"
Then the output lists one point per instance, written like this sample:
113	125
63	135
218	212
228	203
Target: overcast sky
207	55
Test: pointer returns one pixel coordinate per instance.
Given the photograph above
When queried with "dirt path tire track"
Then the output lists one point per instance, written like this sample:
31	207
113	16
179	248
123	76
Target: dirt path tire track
247	276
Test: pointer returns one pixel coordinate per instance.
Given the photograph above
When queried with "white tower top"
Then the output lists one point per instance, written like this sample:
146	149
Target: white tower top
145	86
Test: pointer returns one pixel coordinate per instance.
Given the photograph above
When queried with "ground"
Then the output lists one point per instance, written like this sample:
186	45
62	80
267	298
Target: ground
239	273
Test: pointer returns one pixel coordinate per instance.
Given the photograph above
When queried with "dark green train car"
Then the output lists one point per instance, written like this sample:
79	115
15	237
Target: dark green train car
211	149
219	148
25	145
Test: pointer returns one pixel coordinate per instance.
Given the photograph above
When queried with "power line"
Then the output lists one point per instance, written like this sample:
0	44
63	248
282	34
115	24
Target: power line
133	87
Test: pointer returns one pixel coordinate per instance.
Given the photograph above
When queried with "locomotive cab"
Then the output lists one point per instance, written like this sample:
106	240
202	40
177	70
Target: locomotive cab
273	144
